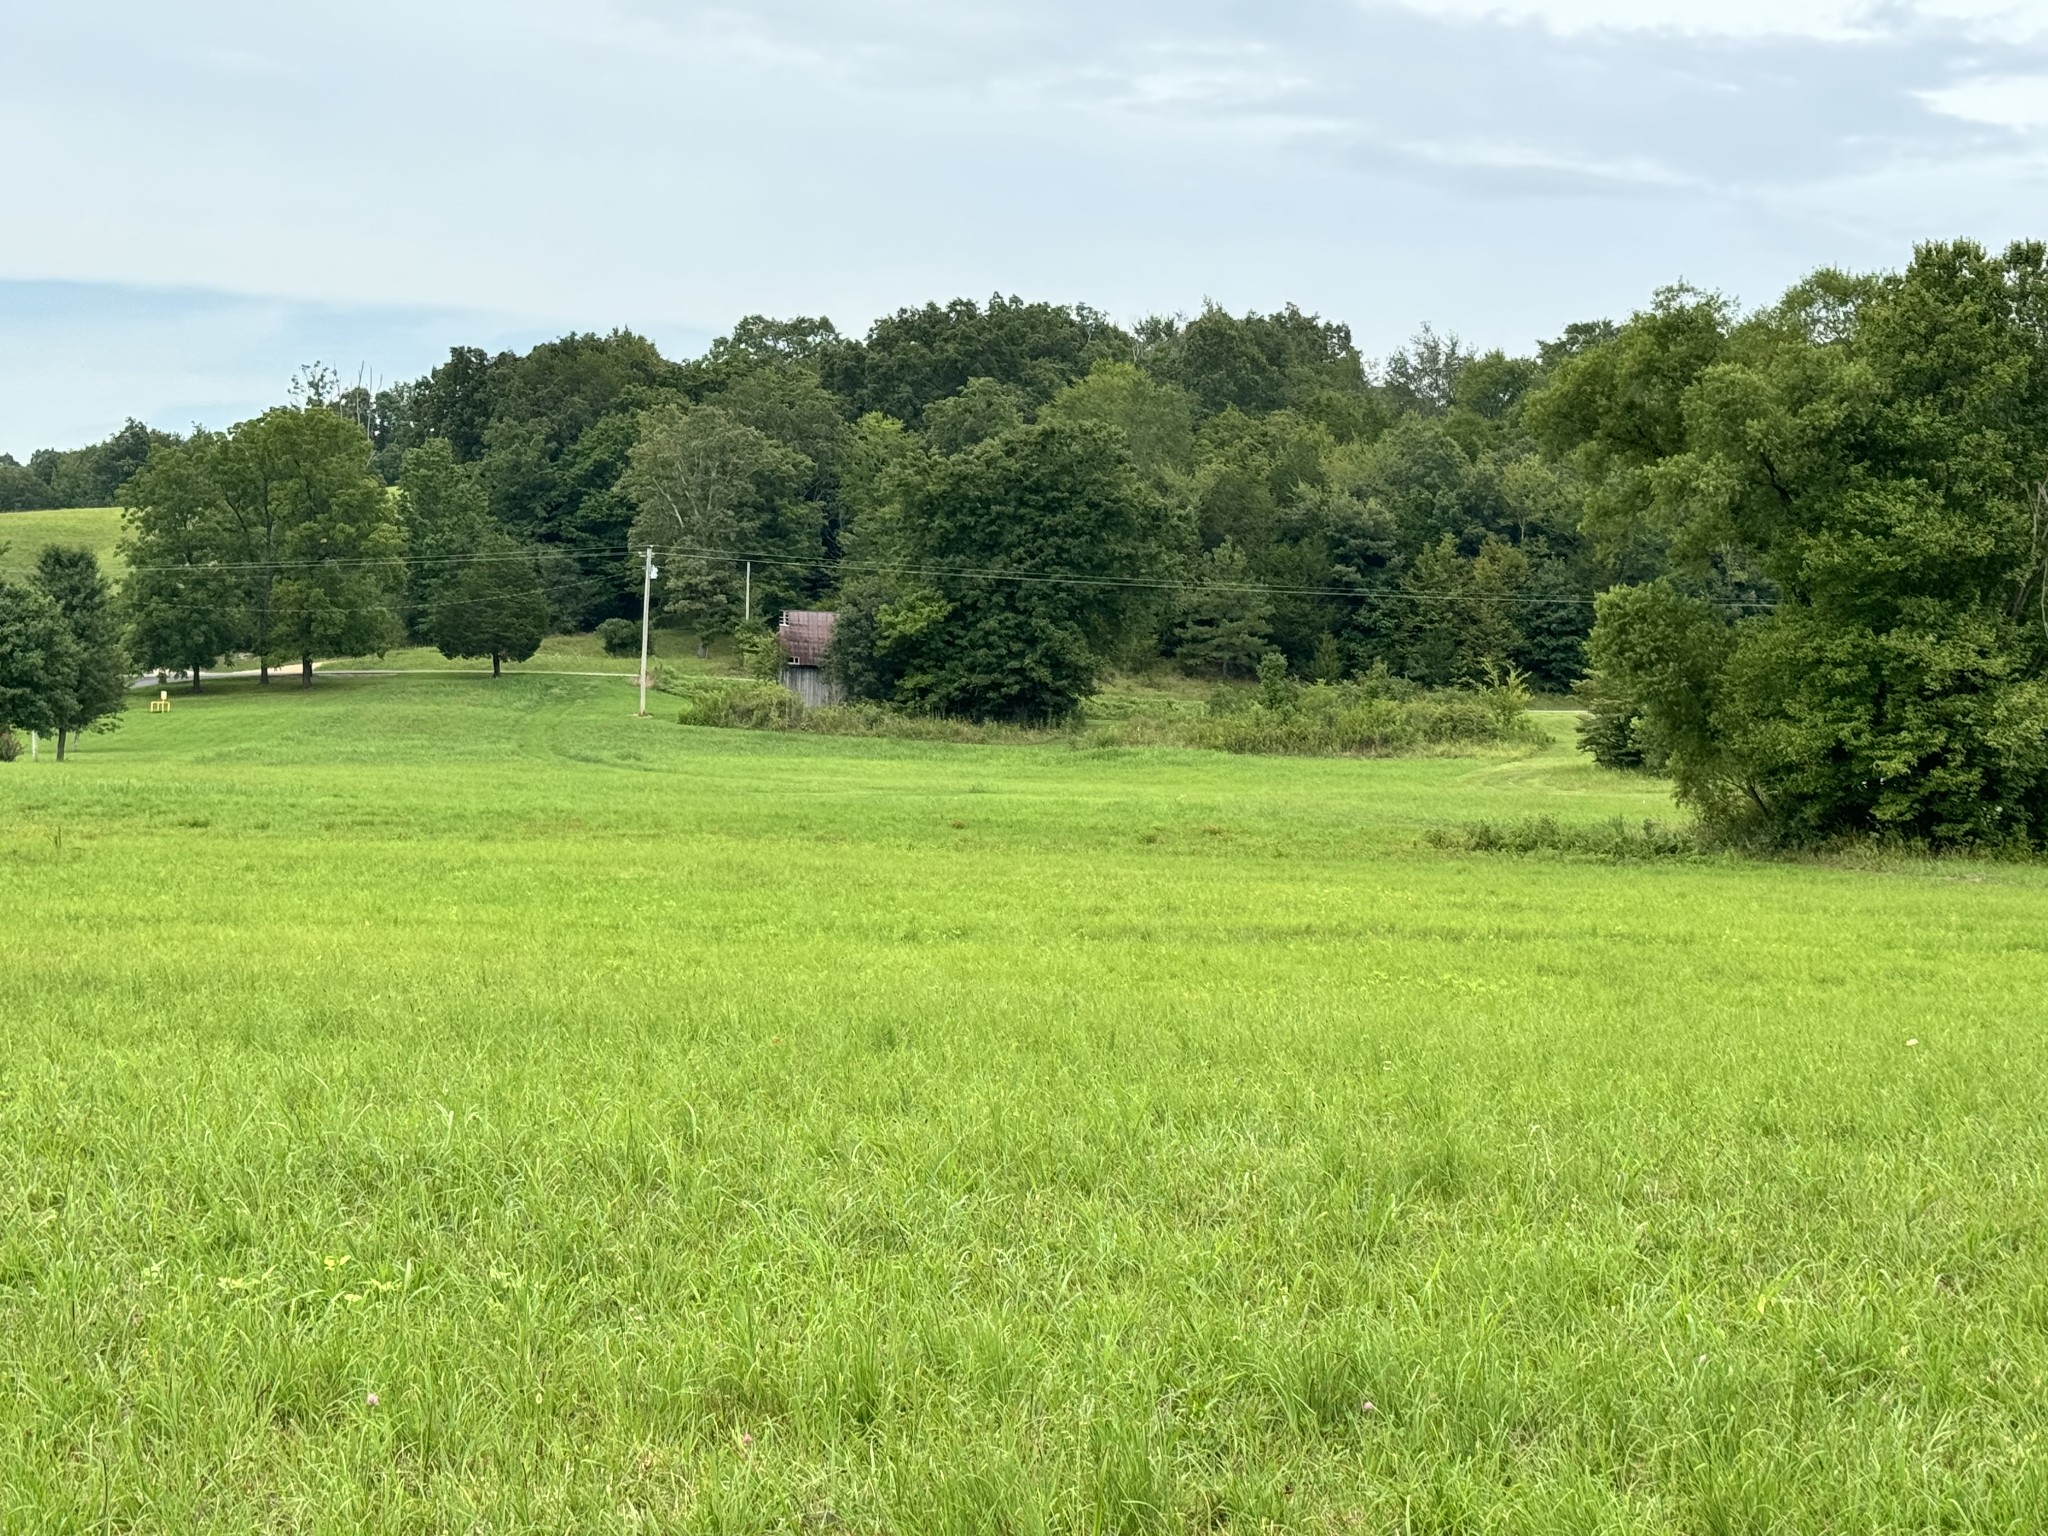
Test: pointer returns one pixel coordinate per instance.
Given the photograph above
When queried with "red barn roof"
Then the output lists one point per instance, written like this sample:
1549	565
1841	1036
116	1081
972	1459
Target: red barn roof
806	634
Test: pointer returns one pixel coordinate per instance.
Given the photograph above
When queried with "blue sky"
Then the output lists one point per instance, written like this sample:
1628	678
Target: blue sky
202	197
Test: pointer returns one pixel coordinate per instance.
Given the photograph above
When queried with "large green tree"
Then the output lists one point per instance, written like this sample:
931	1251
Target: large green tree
37	658
1877	450
1007	575
713	492
916	356
183	601
1156	419
447	517
1224	615
339	545
492	606
92	679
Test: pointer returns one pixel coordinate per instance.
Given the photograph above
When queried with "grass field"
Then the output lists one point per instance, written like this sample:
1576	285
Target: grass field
435	1105
25	533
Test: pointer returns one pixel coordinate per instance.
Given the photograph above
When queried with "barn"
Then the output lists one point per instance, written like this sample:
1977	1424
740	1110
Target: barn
805	635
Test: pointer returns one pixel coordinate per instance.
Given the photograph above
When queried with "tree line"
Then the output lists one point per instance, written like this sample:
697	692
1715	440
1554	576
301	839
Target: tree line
1812	534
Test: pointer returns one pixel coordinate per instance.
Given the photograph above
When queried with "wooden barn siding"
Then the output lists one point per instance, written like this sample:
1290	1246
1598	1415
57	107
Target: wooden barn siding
812	686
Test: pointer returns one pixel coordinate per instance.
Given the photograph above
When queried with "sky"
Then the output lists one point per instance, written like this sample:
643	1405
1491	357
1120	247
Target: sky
202	197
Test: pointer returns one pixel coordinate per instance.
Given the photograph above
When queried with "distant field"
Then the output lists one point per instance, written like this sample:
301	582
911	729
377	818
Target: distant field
25	533
431	1104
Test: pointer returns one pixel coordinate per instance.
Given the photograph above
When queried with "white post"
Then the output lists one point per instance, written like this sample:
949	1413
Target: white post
748	613
646	599
32	746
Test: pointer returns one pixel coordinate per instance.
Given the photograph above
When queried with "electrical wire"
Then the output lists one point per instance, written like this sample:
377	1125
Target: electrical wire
844	566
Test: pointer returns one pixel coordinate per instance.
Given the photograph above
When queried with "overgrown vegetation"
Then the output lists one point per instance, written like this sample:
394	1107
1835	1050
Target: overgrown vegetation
1376	718
1616	839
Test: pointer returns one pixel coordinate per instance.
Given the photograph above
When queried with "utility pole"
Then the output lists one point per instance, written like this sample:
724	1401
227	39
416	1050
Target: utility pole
646	608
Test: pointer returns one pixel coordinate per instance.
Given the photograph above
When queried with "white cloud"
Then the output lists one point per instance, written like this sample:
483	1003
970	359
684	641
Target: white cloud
2002	101
1825	19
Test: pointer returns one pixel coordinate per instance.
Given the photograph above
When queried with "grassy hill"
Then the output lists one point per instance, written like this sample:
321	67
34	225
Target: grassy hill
25	533
436	1104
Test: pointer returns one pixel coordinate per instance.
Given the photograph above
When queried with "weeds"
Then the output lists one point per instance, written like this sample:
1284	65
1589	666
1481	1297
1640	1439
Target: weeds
1616	839
1318	720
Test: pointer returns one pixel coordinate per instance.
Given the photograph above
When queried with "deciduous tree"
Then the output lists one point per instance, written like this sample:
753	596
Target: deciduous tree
711	490
184	604
1030	555
493	606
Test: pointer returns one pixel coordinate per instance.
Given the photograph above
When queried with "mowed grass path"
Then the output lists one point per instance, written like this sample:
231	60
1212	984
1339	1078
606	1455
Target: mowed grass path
437	1105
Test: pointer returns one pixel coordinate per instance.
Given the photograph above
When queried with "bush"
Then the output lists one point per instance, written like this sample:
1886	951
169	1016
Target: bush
1346	719
760	653
747	706
10	749
1614	839
1320	720
619	637
1612	730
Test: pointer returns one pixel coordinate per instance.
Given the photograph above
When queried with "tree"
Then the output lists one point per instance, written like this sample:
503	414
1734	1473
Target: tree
446	517
91	476
494	606
184	606
274	535
1156	419
1490	633
1425	374
1433	613
1878	451
1556	612
1615	409
1224	616
88	677
710	491
983	409
337	540
458	400
1031	552
1254	363
916	356
21	488
36	658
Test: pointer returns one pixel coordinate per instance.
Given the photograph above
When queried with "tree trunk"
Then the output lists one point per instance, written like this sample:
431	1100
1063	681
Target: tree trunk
306	671
703	648
195	679
494	663
263	673
60	743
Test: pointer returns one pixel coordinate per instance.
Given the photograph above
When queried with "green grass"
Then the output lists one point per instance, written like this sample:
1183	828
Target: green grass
707	1130
25	533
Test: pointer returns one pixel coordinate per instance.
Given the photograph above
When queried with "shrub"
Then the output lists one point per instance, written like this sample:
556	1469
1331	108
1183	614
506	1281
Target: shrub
1321	720
10	749
619	637
1614	839
1612	731
750	706
1326	719
760	653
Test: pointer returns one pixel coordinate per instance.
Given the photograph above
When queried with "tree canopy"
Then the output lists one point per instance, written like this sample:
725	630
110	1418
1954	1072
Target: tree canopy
1814	531
1850	494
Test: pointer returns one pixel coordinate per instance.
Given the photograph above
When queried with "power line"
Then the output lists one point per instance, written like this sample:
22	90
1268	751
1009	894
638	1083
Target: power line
846	566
